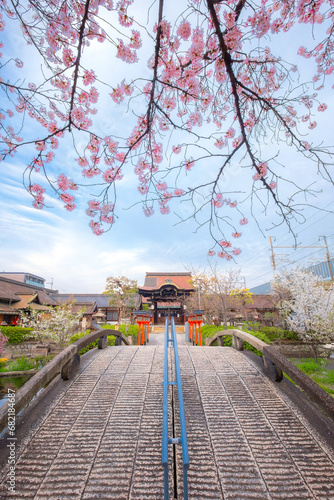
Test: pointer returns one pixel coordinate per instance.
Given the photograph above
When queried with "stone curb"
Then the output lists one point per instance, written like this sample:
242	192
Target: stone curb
18	374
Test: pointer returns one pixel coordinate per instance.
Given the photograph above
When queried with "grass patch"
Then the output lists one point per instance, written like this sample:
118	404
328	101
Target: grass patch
321	373
23	364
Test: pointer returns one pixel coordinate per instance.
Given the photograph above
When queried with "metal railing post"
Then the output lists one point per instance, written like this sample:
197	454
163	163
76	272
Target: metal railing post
184	440
165	440
165	417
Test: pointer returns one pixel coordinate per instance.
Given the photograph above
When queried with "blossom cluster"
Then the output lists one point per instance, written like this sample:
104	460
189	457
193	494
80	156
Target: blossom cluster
201	77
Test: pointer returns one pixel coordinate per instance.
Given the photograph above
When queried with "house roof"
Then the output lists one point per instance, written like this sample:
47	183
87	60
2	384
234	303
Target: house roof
12	292
154	281
100	299
90	307
6	309
261	302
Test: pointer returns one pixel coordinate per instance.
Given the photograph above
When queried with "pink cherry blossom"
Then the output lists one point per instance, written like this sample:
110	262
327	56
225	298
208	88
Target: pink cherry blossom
225	244
184	30
89	77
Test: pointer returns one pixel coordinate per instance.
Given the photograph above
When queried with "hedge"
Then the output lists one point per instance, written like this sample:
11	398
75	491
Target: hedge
210	330
133	330
16	334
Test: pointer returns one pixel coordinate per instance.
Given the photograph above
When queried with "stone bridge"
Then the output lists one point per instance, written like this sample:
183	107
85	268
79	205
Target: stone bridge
98	435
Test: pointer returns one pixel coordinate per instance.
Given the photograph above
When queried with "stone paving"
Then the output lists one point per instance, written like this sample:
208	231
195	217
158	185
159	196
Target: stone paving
101	437
246	439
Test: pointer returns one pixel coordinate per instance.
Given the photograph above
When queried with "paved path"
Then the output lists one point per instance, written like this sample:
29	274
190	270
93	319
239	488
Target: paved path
246	439
100	435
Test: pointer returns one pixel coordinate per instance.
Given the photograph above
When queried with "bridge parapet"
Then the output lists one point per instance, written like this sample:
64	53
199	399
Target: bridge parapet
275	363
66	363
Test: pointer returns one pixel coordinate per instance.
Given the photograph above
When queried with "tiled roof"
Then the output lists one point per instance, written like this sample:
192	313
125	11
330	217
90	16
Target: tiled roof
6	309
101	300
154	281
261	302
90	307
10	291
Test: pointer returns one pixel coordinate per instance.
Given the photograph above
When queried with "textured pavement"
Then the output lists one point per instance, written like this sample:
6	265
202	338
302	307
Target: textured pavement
246	439
101	436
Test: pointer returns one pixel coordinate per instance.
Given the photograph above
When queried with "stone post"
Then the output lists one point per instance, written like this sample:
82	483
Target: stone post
103	342
273	371
237	343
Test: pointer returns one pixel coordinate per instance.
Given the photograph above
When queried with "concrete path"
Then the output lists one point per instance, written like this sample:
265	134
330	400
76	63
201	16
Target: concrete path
247	439
99	436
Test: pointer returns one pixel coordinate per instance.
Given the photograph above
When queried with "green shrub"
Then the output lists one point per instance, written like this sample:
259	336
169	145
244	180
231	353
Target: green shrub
271	332
133	329
78	336
210	330
259	335
16	334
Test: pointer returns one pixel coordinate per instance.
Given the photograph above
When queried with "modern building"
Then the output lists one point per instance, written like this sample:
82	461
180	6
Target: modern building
165	294
324	270
28	278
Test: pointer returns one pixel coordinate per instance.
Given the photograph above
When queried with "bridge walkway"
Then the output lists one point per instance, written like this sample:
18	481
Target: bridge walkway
99	435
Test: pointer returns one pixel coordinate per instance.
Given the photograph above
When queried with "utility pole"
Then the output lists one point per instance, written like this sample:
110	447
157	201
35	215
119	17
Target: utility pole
273	263
50	283
328	258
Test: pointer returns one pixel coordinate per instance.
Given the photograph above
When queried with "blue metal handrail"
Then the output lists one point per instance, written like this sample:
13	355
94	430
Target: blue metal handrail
165	440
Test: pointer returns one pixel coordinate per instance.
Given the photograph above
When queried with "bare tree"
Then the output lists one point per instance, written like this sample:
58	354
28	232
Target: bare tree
216	293
122	292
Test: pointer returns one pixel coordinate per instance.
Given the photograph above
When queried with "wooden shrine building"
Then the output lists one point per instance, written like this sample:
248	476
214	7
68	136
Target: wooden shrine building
165	294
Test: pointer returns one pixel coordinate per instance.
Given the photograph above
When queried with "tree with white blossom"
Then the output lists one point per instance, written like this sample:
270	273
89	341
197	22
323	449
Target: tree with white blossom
307	304
214	95
54	325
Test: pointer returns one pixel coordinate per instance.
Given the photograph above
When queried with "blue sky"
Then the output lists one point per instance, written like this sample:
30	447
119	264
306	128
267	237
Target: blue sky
53	243
59	246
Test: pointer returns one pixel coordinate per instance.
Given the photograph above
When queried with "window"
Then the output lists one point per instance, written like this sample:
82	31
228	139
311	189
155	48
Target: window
112	315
